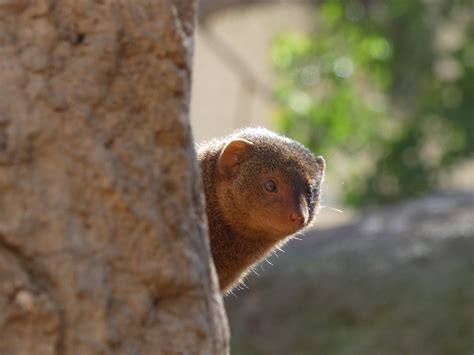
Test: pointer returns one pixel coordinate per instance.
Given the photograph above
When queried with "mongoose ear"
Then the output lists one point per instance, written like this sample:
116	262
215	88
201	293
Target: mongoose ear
321	163
232	155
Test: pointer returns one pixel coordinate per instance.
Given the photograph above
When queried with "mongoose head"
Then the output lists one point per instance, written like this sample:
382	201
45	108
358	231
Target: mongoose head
270	184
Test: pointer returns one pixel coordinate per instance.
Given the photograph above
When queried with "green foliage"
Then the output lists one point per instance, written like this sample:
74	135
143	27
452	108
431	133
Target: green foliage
385	82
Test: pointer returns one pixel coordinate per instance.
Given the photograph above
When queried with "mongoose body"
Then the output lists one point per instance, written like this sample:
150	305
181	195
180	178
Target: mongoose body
260	188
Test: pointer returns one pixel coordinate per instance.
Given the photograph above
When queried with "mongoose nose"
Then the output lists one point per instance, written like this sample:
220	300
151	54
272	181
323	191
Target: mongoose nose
298	218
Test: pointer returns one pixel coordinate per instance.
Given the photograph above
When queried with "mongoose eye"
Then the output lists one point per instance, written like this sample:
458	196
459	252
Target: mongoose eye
270	186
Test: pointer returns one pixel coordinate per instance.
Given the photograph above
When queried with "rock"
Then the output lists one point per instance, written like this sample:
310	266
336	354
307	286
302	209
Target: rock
399	280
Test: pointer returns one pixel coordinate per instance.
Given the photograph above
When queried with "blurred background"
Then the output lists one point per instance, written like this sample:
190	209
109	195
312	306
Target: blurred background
384	90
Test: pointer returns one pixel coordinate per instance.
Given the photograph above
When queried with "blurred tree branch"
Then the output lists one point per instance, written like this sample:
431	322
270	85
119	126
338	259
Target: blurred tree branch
208	8
251	83
230	57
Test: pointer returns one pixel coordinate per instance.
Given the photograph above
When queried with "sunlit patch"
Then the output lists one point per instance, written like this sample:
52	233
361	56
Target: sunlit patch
343	67
300	102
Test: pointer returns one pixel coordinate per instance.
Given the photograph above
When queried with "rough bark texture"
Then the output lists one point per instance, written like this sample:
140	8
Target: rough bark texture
103	246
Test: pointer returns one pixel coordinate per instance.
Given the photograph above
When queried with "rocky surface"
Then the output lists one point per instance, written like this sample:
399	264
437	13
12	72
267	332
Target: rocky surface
103	241
399	280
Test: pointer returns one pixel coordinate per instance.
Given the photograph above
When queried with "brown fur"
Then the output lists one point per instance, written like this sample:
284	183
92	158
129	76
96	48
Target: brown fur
247	220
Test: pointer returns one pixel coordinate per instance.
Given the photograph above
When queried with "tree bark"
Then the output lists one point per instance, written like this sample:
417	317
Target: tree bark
103	240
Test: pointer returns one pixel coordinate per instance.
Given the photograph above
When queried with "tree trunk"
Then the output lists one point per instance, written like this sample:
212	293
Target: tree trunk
103	240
